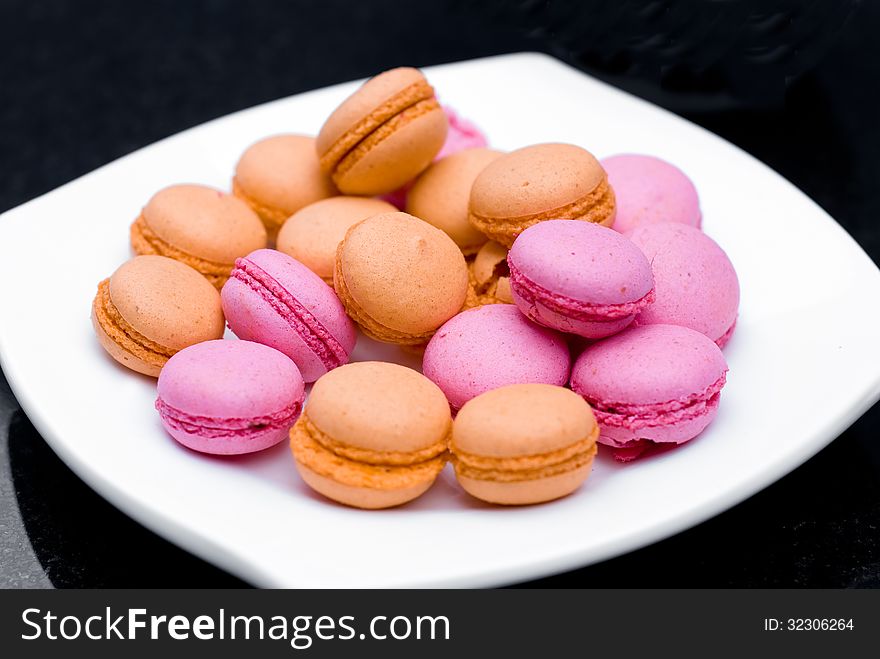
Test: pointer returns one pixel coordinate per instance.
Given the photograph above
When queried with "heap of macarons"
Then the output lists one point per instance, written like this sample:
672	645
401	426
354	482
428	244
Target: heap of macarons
557	302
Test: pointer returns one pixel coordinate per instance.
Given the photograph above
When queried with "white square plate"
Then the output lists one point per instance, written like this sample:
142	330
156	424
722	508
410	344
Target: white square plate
804	361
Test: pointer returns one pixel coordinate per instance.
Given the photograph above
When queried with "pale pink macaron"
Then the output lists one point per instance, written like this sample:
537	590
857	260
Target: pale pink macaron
274	299
229	397
493	346
650	190
696	285
579	277
650	384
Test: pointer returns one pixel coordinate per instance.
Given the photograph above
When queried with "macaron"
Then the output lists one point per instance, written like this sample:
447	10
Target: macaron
696	285
490	347
229	397
372	435
274	299
489	276
383	135
579	277
400	278
523	444
651	384
650	190
537	183
312	234
279	175
205	228
151	308
441	193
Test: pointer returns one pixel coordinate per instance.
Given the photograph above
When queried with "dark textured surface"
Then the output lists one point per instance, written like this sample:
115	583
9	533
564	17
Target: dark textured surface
795	84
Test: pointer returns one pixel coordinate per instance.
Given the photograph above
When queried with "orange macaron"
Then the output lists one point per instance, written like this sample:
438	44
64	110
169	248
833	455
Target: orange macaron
372	435
205	228
384	134
279	175
399	278
312	234
153	307
523	444
441	193
536	183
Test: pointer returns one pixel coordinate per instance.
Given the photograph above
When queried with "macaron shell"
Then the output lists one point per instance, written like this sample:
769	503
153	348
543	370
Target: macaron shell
522	420
380	407
360	497
313	233
397	158
648	365
230	379
582	261
535	179
205	222
282	172
253	318
374	93
403	273
492	346
519	493
650	190
229	446
166	301
441	194
696	284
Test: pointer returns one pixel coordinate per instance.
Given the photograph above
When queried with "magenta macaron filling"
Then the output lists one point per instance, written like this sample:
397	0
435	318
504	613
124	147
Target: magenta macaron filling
232	427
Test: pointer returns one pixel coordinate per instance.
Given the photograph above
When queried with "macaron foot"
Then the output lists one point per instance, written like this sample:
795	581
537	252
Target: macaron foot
273	218
597	207
360	497
518	493
362	478
121	341
145	241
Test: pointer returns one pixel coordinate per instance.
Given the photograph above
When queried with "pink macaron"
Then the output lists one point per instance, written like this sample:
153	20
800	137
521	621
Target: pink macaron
493	346
696	285
579	277
650	384
274	299
229	397
650	190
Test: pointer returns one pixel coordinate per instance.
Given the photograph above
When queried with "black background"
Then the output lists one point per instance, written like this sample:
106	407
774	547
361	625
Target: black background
795	84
